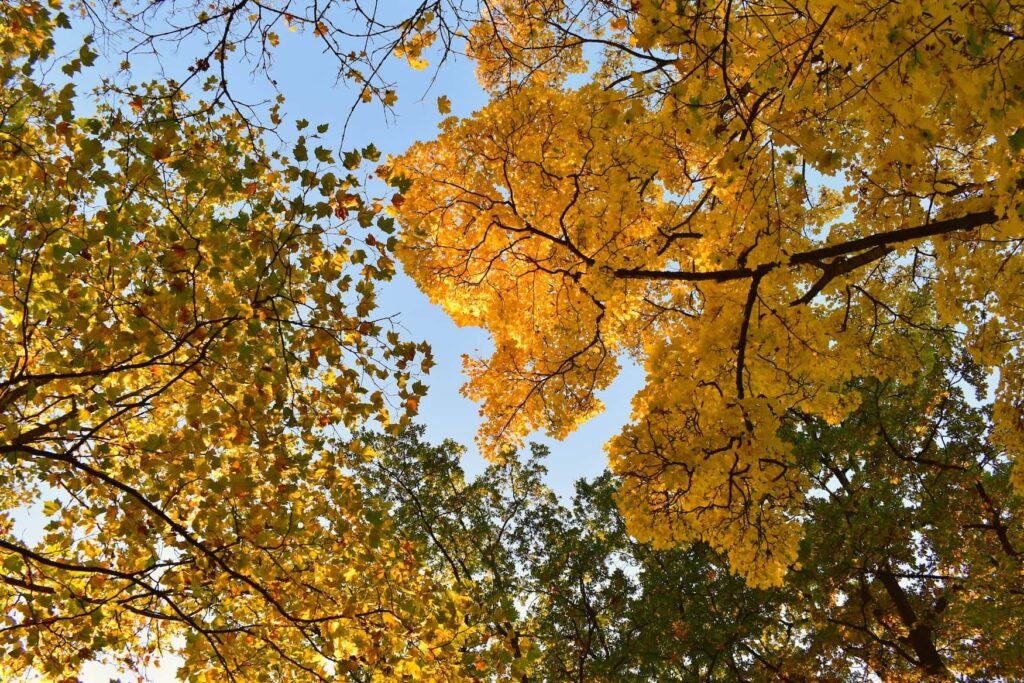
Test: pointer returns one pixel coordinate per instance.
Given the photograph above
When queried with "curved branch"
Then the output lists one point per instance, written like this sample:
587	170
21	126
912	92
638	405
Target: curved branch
878	245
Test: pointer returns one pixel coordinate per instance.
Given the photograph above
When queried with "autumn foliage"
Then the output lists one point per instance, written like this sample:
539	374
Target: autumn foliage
908	570
803	223
186	337
757	202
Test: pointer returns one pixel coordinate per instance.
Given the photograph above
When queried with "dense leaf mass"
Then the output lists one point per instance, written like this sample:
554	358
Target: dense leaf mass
909	568
804	222
186	334
756	201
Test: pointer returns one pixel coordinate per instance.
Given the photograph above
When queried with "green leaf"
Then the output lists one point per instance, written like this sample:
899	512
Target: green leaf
14	564
402	183
371	153
1017	140
87	56
352	160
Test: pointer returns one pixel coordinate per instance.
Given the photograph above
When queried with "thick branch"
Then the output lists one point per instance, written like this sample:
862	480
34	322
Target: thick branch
841	266
748	310
920	633
687	276
877	243
967	222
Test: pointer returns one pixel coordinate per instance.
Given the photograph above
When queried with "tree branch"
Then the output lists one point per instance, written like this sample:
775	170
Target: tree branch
875	243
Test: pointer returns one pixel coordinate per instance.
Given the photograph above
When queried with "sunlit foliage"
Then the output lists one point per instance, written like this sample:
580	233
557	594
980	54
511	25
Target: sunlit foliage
187	335
756	202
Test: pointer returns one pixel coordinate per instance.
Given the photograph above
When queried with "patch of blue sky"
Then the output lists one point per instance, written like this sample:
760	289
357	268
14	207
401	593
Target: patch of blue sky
308	80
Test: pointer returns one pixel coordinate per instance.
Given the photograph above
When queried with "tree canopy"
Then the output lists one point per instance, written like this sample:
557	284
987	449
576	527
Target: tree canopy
909	568
804	223
188	335
757	202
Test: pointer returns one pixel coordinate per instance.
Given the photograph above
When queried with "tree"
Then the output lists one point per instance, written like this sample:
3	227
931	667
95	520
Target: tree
186	338
757	202
909	568
219	45
482	534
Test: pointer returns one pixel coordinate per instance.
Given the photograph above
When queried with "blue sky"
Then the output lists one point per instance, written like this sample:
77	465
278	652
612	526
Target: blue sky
305	78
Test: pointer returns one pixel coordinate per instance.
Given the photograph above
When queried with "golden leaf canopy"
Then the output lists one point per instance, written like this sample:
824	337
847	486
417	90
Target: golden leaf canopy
756	201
